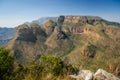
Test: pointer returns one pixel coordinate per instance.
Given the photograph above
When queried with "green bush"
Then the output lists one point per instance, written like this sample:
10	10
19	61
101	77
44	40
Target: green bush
51	64
6	64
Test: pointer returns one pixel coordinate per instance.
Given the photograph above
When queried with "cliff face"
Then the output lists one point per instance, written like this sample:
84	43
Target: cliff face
82	19
80	39
29	32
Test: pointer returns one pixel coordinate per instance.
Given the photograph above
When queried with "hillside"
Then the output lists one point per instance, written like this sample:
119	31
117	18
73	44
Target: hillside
6	34
89	42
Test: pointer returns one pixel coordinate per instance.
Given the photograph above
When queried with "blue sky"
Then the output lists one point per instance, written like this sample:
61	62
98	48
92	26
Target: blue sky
15	12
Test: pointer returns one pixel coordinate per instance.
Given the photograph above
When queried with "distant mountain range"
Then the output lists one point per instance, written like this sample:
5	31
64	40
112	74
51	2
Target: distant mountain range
6	34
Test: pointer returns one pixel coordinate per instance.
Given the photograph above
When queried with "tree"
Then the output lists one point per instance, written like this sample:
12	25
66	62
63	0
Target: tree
51	64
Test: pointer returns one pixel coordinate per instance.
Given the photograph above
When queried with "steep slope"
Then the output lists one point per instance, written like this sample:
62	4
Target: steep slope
87	41
28	42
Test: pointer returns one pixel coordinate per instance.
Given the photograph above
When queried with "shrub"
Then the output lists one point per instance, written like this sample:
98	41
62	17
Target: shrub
51	64
6	64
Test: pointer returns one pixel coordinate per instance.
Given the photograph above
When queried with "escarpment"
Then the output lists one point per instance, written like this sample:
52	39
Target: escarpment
82	19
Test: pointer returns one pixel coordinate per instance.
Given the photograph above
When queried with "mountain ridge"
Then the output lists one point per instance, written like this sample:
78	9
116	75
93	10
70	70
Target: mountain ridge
41	21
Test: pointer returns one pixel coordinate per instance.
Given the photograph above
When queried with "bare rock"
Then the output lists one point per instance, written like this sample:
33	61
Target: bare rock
82	19
29	32
89	75
61	19
103	75
84	75
89	51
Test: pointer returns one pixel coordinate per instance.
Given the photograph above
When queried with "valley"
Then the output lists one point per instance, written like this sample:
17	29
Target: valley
85	42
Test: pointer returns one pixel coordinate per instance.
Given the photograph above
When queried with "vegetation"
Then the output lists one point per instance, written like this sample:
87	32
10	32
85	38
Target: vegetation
47	67
51	64
6	64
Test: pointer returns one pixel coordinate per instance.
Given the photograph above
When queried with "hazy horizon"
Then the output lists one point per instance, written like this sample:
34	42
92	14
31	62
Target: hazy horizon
16	12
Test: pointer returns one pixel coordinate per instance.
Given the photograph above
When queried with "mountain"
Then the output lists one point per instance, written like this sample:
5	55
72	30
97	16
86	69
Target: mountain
87	41
41	21
6	34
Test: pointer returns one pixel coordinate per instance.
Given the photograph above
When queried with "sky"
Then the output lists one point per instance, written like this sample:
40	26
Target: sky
16	12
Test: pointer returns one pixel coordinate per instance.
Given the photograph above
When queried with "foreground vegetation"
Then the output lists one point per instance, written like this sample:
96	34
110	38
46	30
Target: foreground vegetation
47	67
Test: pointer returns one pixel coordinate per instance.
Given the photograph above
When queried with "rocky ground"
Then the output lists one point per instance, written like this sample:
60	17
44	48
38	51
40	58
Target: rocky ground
100	74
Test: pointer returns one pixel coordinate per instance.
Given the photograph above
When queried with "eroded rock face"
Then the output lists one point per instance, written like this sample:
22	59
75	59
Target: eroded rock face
78	30
29	32
81	19
109	31
26	35
61	19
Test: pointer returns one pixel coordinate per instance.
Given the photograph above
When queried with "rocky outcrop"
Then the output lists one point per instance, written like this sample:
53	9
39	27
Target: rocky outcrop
82	19
78	30
109	31
89	51
61	19
57	35
103	75
49	26
99	75
83	75
82	30
28	42
29	32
